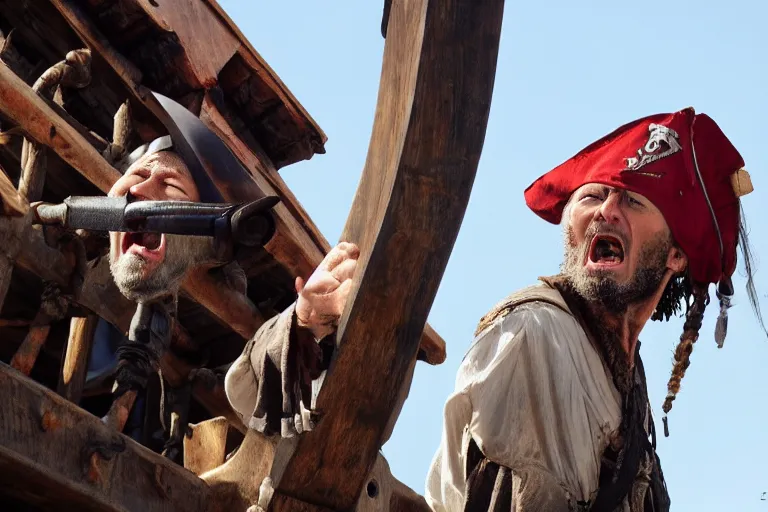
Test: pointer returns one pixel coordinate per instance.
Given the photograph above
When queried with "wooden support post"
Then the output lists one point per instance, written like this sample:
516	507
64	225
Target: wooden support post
121	134
74	367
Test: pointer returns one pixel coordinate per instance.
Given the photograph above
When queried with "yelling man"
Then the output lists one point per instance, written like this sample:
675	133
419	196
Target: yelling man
146	266
550	410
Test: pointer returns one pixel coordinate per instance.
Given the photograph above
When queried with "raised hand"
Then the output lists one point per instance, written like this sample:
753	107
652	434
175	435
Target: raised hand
323	297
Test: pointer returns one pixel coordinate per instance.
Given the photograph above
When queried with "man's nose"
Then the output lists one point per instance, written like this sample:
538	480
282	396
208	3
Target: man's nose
147	189
610	210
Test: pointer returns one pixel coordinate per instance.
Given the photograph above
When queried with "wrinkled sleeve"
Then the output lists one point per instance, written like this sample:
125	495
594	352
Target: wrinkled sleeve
269	384
519	402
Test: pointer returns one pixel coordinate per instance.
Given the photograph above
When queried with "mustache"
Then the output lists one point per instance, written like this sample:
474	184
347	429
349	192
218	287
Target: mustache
605	229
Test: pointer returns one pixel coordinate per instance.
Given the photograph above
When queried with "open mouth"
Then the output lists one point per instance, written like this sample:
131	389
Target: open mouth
150	246
606	250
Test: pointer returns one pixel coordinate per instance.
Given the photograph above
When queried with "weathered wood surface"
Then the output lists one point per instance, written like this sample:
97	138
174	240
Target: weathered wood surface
263	69
74	367
12	227
74	462
434	99
205	448
208	44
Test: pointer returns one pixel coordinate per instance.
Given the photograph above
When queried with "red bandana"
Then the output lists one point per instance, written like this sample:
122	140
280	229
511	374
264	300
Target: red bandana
654	156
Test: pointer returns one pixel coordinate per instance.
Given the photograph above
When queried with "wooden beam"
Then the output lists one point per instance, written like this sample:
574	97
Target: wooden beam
270	77
72	460
434	99
11	229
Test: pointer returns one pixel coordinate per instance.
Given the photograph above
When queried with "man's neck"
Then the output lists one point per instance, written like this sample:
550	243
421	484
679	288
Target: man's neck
627	325
615	335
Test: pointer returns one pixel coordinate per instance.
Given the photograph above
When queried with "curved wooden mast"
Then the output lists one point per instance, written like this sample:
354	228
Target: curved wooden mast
433	105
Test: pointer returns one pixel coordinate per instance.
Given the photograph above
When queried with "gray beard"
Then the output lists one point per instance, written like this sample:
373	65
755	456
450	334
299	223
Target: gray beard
182	254
601	290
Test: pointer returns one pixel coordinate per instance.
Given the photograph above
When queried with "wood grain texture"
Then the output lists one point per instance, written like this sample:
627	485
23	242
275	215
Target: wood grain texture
205	447
434	99
261	67
74	367
207	42
75	461
99	44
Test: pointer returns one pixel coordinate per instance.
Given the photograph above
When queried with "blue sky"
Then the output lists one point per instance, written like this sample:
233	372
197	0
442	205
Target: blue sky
568	73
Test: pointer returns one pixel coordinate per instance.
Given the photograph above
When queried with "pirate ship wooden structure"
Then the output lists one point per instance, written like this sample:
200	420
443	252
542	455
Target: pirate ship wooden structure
75	78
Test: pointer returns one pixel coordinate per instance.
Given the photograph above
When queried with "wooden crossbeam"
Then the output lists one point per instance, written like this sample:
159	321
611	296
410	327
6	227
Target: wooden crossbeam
434	100
74	462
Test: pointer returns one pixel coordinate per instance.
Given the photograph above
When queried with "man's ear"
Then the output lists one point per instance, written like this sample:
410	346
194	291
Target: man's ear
677	261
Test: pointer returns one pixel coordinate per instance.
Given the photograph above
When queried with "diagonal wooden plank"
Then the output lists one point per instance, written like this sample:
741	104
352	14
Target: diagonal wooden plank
434	99
77	463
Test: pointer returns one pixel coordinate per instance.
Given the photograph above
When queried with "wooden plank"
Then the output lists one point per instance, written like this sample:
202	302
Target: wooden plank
434	99
205	447
84	28
75	460
74	367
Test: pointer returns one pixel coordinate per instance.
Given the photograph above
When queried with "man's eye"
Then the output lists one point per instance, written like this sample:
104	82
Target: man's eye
592	196
635	202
